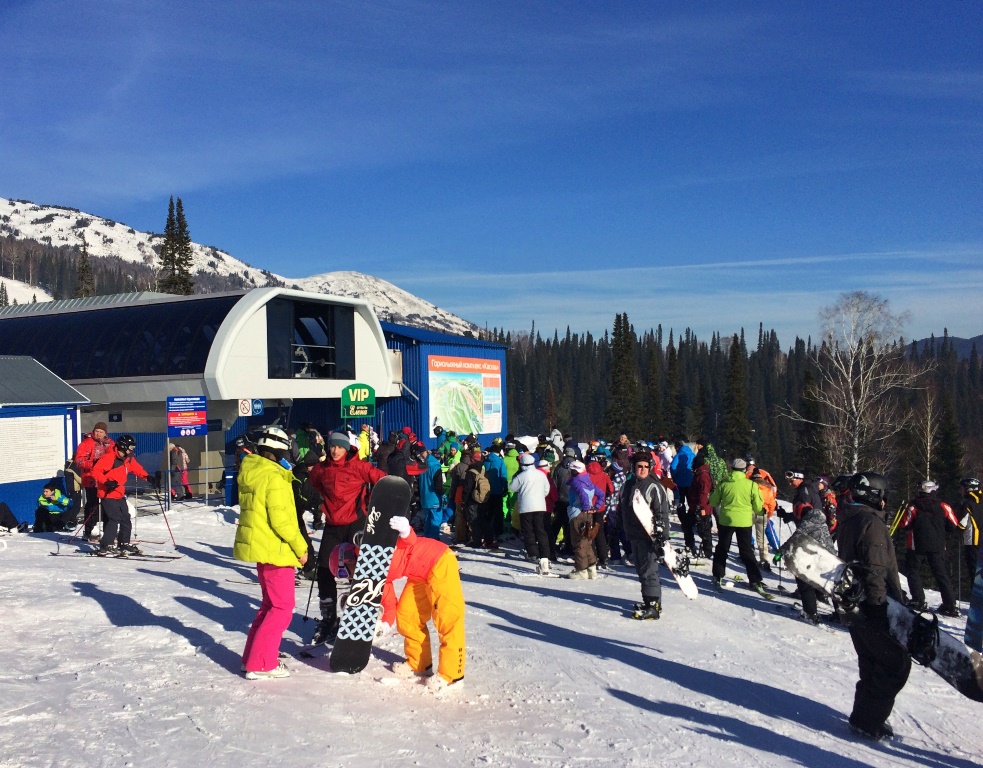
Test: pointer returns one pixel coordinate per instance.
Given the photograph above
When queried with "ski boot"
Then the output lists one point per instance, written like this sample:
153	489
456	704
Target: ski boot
327	628
130	549
649	610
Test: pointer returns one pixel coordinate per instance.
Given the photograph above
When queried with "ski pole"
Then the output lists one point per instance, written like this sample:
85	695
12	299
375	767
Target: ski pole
310	594
160	502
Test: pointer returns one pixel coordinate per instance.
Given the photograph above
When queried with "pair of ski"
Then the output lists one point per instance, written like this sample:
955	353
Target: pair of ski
958	665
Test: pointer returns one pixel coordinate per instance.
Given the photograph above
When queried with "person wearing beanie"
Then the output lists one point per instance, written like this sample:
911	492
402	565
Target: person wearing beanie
738	501
342	481
93	447
531	487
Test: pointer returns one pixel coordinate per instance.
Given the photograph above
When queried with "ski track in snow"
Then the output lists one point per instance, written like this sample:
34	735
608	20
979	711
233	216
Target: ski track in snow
137	664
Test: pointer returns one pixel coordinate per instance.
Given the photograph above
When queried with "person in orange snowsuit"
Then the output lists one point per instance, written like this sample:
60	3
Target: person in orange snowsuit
769	500
433	590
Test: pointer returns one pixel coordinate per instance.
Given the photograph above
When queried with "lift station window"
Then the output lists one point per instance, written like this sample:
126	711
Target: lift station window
310	340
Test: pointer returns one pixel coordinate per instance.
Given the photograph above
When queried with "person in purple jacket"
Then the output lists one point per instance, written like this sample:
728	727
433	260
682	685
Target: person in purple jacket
580	511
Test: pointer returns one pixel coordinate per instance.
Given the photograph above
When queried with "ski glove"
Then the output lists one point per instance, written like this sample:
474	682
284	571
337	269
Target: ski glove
384	628
401	524
154	482
111	485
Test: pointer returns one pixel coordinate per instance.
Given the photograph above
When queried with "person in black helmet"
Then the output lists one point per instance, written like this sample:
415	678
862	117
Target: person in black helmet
884	664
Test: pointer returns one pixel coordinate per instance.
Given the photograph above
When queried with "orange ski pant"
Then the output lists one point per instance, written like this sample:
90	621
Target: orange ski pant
439	597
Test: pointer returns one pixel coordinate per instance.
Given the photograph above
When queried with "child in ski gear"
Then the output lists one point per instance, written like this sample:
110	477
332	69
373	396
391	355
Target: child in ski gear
269	536
647	551
110	474
927	519
738	501
432	591
884	664
51	504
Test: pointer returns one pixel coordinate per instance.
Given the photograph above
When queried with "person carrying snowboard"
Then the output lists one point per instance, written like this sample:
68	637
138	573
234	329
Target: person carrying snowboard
432	591
884	664
646	549
808	516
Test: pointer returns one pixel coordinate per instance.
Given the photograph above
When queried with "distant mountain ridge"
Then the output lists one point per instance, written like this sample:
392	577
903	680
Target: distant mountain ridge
963	347
62	226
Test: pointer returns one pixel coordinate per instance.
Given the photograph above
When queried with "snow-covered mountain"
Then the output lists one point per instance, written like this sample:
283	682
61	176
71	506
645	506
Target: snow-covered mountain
60	226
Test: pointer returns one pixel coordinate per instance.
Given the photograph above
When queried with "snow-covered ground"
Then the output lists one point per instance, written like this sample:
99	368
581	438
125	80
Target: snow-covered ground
136	663
23	293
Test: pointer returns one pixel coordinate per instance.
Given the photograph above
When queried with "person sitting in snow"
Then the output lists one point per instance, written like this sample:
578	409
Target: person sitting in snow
433	590
51	504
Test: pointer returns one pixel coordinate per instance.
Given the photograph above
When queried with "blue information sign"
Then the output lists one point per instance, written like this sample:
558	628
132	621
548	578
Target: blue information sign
187	416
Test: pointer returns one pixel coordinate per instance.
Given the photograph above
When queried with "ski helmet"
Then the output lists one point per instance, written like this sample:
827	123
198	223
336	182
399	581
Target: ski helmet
126	443
438	431
929	486
341	562
273	439
970	483
868	488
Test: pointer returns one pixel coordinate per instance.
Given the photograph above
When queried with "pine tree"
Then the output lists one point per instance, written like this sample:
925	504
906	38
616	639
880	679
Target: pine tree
85	283
4	299
623	413
167	251
948	462
736	439
183	253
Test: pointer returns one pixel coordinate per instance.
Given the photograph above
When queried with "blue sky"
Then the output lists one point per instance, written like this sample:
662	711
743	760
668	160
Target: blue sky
702	165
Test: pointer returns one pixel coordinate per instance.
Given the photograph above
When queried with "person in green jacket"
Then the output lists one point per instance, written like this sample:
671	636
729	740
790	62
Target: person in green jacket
268	535
738	500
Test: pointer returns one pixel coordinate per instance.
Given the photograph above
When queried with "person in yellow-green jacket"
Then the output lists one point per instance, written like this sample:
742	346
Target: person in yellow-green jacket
268	535
738	501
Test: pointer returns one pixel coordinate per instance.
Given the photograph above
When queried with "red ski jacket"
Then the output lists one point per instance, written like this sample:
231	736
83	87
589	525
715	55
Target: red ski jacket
112	467
88	453
342	486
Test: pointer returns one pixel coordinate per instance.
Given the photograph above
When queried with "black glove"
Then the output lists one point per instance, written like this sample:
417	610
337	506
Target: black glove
154	483
659	536
110	486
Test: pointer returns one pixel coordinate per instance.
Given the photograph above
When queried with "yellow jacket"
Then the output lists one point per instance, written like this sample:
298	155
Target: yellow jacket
268	531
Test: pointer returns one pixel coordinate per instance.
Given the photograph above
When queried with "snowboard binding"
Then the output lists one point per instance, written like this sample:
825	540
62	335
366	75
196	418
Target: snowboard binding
924	643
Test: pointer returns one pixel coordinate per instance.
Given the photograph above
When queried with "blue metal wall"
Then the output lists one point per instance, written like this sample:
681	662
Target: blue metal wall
22	497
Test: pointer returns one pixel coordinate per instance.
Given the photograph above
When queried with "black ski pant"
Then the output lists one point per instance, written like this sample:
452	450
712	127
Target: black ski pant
560	523
647	559
327	587
617	540
534	536
116	520
91	510
476	517
494	518
687	520
45	521
704	526
884	668
937	564
807	593
744	548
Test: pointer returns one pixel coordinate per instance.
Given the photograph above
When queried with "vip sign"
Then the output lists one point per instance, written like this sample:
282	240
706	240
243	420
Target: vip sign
358	402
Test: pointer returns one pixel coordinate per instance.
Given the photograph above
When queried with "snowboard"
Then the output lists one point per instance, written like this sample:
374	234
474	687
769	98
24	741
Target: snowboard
974	622
677	561
959	666
353	646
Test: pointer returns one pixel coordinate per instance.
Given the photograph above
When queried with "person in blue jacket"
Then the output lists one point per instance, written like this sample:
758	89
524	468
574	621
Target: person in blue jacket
498	479
431	484
52	504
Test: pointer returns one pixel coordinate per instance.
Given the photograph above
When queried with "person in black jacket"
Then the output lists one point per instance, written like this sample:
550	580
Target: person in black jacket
972	523
927	519
884	664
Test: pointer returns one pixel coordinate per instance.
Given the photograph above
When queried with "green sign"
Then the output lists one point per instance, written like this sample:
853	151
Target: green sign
358	402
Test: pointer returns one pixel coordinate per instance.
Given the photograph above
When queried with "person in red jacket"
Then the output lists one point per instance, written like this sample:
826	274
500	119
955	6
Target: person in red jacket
93	447
698	498
342	479
605	494
110	474
433	590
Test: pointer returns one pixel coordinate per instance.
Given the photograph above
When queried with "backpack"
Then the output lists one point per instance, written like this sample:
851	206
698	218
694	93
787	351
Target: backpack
482	488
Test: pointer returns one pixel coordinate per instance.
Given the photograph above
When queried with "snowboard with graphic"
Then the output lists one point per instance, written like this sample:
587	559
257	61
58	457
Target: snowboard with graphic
353	646
958	665
677	561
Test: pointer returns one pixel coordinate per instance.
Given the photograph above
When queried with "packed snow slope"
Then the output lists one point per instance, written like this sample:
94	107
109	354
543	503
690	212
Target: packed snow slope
60	226
134	663
23	293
